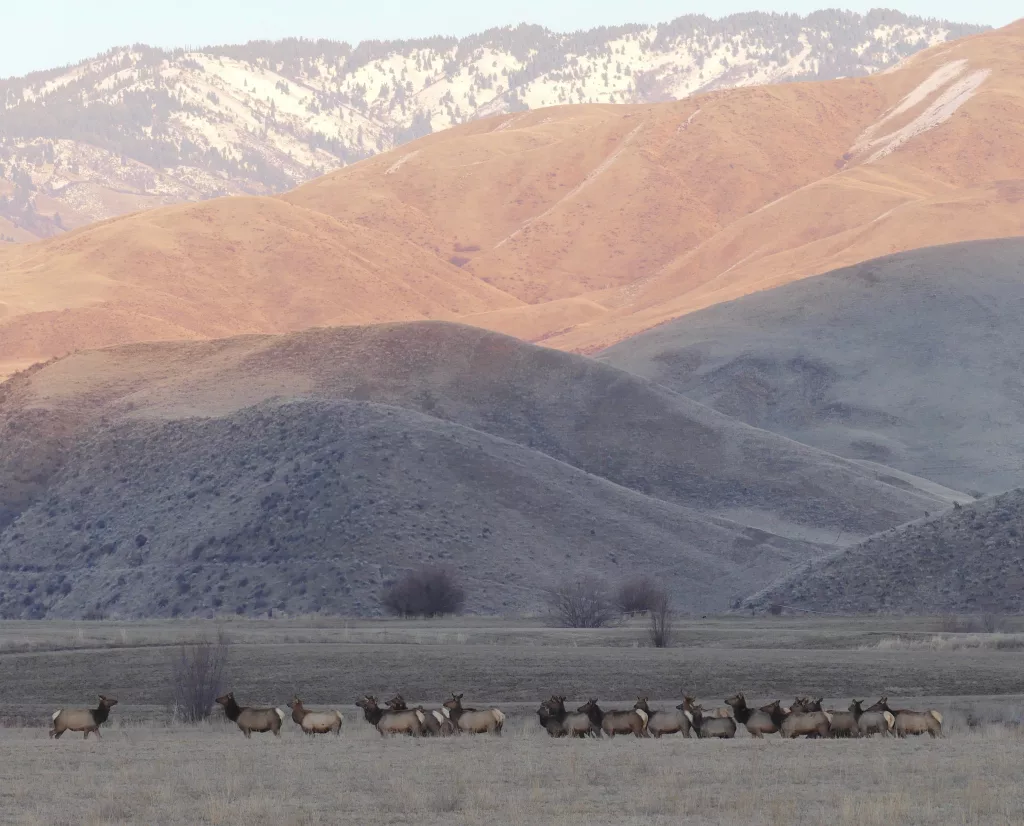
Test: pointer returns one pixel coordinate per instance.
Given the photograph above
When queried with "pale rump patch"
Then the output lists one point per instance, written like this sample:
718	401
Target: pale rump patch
447	713
643	716
689	716
937	716
889	719
498	715
438	716
420	717
279	714
56	714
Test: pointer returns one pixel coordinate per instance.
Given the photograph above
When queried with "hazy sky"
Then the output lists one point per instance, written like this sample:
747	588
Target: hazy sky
48	33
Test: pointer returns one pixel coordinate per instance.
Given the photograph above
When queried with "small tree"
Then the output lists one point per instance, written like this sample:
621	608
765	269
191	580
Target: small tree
661	618
584	603
429	591
636	595
198	677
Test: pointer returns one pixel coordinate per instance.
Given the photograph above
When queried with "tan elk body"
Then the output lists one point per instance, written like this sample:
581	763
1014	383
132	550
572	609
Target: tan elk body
87	720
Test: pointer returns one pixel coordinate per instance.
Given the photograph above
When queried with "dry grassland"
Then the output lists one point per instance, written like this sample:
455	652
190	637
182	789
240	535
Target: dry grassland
211	774
146	770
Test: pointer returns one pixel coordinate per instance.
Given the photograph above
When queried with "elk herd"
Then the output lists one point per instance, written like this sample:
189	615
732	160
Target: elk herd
804	718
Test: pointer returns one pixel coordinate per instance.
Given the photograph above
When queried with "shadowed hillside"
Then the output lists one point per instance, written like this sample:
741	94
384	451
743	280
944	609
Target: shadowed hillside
125	435
965	560
911	360
313	506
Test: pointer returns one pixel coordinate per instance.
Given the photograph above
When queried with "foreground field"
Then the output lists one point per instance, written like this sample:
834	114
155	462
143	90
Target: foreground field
149	770
154	775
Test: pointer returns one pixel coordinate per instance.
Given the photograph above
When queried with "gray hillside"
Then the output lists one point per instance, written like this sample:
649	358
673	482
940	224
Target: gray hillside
966	560
312	506
912	360
268	453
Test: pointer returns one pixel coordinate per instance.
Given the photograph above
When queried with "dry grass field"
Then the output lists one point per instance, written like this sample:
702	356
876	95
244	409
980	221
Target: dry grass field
147	769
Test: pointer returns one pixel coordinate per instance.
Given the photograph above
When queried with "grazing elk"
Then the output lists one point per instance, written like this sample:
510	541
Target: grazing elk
611	723
662	721
81	719
806	719
315	722
758	722
251	719
721	727
471	720
387	722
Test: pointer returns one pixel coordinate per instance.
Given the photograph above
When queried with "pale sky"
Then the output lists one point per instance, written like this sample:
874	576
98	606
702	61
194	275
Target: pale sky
48	33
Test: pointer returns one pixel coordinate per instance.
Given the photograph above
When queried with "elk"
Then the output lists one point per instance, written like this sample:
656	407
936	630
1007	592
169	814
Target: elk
251	719
387	722
611	723
315	722
758	722
471	720
435	724
806	719
876	719
81	719
560	723
721	727
662	721
908	721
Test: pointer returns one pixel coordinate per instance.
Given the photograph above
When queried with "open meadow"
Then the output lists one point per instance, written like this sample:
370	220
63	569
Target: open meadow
149	769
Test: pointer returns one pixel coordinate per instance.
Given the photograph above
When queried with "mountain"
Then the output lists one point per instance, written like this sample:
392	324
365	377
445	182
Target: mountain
361	451
965	560
139	127
576	226
910	360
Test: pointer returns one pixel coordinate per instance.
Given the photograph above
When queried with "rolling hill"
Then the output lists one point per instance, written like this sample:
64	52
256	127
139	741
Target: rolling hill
135	471
910	360
576	226
966	560
139	127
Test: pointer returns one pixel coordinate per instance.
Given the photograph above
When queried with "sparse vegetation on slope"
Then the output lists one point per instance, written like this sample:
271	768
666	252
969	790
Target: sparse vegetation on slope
139	126
173	477
911	361
966	560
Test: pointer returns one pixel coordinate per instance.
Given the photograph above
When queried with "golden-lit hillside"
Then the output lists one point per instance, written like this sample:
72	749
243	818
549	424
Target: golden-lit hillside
576	226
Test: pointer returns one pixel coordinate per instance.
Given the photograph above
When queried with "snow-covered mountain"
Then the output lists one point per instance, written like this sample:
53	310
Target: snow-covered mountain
140	127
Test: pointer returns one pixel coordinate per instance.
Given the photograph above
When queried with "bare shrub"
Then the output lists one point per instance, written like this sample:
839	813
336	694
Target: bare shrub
430	591
583	603
988	623
991	623
661	617
198	677
636	595
775	609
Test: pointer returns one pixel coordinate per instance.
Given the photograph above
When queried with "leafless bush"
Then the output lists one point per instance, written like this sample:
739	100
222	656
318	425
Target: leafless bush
661	617
430	591
636	595
775	609
198	677
584	603
984	624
